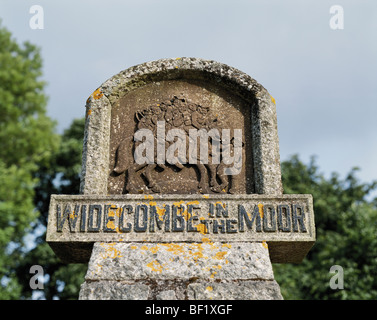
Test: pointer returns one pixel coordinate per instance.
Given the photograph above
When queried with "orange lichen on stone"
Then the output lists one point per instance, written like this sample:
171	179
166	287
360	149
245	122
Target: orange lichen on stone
273	99
260	207
155	266
222	204
154	249
264	244
73	215
110	225
207	240
174	248
97	94
201	227
110	251
220	255
161	213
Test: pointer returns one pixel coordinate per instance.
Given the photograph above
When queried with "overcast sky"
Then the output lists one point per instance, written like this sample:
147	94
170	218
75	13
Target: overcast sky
324	80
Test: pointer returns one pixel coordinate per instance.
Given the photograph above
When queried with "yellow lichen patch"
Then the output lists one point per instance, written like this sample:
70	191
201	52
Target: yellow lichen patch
220	255
209	288
201	227
154	249
226	245
205	196
186	215
89	112
174	248
178	58
97	94
213	274
155	266
133	247
73	215
179	211
273	99
260	207
161	213
110	251
110	225
198	248
264	244
220	203
197	255
148	197
144	247
118	212
207	240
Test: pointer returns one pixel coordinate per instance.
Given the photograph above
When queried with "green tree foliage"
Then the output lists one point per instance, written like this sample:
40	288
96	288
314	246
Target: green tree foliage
346	225
60	176
27	142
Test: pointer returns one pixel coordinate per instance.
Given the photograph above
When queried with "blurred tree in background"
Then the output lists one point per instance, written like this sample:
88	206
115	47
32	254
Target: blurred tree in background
35	162
60	176
346	226
27	142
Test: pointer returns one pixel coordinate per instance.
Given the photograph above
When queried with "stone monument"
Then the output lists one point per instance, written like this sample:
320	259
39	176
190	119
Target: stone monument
181	193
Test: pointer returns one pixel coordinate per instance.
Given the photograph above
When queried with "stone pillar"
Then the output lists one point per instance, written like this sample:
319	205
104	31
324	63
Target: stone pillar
206	225
182	271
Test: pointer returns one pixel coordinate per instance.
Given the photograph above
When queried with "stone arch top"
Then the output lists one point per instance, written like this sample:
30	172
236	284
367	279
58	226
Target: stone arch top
265	158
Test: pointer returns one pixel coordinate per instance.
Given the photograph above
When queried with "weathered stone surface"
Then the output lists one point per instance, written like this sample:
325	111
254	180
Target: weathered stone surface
195	271
166	295
243	290
179	261
194	290
113	290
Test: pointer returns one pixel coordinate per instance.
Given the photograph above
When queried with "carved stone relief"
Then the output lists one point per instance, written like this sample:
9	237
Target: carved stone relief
182	168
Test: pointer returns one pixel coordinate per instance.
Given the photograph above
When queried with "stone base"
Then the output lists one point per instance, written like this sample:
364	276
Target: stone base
182	271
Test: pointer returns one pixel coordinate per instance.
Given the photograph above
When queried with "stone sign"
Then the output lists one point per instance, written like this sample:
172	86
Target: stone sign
285	223
180	152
